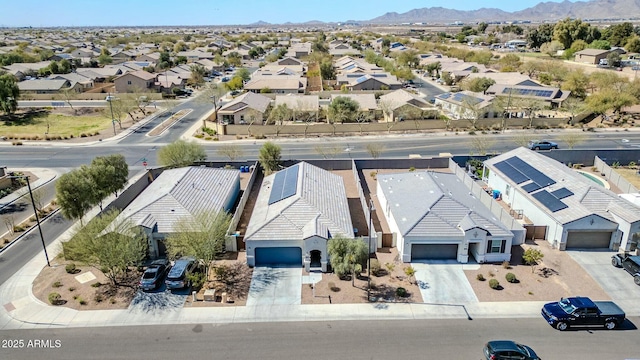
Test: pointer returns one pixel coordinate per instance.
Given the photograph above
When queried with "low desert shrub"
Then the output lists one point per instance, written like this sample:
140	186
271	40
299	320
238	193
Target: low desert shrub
56	284
375	267
401	292
511	277
491	274
96	284
390	266
54	298
72	289
81	301
480	277
98	298
333	287
70	268
506	265
494	284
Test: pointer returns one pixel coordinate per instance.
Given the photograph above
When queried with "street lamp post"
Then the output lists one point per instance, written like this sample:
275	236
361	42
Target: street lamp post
35	212
371	209
113	121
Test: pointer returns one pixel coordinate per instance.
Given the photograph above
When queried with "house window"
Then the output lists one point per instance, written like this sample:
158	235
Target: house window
507	190
129	82
495	246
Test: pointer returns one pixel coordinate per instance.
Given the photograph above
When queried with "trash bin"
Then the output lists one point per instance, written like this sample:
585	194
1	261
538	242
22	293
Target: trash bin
496	194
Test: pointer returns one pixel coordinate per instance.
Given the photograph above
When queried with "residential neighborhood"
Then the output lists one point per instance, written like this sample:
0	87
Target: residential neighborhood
317	172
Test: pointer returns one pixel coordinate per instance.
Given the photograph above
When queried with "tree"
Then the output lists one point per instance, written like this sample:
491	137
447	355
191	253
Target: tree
573	106
110	173
540	35
104	59
108	243
347	255
236	83
233	152
482	27
327	70
9	93
198	73
279	115
509	63
523	138
243	74
482	144
234	58
567	31
573	138
202	236
576	82
343	109
375	149
551	48
531	106
531	257
609	99
181	153
269	157
480	84
633	44
326	151
75	193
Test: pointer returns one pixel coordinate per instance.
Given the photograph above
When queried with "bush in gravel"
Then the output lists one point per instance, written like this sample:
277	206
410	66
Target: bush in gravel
375	267
390	266
480	277
506	265
96	284
401	292
70	268
72	289
494	284
333	287
54	298
98	298
82	301
56	284
511	277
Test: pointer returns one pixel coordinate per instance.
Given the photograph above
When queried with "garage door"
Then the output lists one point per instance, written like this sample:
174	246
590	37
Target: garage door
278	256
588	239
434	251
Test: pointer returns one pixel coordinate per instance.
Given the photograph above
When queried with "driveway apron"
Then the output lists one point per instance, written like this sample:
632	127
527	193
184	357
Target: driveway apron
275	286
443	282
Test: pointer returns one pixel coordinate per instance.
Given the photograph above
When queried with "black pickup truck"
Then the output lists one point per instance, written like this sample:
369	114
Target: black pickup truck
629	263
581	311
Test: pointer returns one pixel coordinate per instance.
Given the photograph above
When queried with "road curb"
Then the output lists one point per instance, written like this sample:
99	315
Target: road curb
29	230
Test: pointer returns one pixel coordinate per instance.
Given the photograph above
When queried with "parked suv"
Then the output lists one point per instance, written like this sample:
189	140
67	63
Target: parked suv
507	349
177	278
629	263
153	275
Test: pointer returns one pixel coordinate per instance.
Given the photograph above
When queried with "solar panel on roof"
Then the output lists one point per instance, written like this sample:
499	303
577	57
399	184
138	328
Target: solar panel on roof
469	99
444	96
511	172
361	79
549	201
285	184
531	172
531	187
562	193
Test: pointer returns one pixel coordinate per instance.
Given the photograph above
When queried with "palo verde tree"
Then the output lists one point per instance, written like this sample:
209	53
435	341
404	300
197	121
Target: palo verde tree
202	236
269	157
108	243
347	255
181	153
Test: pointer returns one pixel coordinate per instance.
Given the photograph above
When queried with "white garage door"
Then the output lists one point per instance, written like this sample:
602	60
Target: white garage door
588	239
434	251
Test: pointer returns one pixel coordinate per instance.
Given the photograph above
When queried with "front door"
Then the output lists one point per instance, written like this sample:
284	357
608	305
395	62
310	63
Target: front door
315	255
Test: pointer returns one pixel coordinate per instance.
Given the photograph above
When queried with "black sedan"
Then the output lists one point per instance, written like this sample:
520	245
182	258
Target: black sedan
154	274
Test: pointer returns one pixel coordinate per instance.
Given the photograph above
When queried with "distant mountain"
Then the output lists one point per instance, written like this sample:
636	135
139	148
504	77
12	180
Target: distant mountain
594	9
260	23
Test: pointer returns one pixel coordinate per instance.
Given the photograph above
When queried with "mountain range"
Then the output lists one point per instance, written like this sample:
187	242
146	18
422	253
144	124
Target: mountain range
545	11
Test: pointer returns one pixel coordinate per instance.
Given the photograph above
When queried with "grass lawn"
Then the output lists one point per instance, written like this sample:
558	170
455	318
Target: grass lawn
30	124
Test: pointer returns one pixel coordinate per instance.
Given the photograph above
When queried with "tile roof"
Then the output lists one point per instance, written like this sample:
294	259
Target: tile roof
319	207
436	204
248	99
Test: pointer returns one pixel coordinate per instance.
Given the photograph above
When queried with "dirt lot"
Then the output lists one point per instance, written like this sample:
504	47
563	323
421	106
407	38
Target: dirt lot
73	292
332	290
557	275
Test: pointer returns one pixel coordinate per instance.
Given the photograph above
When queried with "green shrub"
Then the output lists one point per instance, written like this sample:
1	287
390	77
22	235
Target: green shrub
72	289
70	268
480	277
375	267
196	280
333	287
511	277
81	301
390	266
96	284
412	169
113	301
54	298
98	298
494	284
56	284
401	292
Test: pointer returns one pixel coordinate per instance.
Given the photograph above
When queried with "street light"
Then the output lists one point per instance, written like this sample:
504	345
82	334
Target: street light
113	121
35	211
371	209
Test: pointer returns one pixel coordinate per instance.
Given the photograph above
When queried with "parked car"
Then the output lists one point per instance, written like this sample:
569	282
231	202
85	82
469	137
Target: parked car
507	349
154	274
629	263
177	278
542	145
581	311
225	79
111	98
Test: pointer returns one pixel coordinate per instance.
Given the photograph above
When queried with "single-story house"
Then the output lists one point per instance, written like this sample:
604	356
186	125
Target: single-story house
299	50
46	86
297	211
377	81
179	194
591	56
290	61
281	84
84	82
576	212
552	95
465	105
132	81
246	108
436	217
400	103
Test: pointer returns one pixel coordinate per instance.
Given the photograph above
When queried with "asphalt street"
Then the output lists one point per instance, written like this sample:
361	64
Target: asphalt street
354	340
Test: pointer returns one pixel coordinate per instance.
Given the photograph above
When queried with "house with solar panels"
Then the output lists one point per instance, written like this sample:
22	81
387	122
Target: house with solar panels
179	194
553	96
577	212
435	216
465	105
297	211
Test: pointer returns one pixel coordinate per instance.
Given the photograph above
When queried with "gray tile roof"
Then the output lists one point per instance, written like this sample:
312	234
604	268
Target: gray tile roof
588	198
179	193
319	207
436	204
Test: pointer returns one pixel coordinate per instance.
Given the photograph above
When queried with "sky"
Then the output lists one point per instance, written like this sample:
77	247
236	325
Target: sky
47	13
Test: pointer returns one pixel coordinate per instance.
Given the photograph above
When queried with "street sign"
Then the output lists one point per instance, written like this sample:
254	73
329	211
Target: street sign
144	163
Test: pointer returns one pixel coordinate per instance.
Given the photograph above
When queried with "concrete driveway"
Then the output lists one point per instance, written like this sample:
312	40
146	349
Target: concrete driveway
443	282
275	286
614	281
